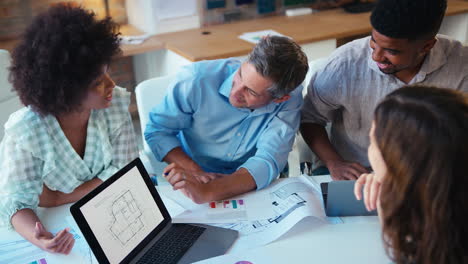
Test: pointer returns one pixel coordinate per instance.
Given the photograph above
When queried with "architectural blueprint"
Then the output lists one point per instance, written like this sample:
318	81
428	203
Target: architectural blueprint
126	217
292	200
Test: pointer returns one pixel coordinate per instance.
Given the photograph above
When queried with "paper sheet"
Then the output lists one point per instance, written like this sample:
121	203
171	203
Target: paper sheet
174	208
292	200
254	207
134	40
16	250
81	252
21	251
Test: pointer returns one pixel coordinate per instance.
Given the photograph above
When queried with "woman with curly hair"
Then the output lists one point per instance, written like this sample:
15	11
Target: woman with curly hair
75	130
419	153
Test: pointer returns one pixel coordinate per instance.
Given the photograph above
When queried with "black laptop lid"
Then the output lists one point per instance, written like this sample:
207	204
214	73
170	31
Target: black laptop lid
121	215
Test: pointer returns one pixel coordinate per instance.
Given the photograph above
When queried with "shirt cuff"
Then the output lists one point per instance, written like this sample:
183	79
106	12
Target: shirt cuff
8	212
260	171
163	146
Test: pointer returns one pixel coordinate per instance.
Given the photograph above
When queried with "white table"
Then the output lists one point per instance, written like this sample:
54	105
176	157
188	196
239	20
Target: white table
308	243
357	240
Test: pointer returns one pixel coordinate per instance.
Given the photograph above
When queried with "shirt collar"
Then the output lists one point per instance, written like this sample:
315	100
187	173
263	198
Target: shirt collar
226	87
434	60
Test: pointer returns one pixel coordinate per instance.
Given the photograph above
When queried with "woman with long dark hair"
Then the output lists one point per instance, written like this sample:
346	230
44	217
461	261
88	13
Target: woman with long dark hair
419	154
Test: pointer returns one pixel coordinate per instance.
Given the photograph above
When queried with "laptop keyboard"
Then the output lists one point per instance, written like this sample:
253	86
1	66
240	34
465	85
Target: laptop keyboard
173	244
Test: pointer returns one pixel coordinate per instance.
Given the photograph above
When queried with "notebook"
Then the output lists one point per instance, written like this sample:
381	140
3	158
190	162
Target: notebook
124	220
339	199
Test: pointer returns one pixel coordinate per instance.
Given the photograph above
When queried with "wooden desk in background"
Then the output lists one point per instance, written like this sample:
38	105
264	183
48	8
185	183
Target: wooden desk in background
222	40
319	34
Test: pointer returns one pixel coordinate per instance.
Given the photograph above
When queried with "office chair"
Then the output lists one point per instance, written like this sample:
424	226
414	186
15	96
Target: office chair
9	101
149	93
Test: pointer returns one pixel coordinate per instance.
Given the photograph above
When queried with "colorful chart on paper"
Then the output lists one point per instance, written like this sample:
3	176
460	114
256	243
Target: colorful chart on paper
228	204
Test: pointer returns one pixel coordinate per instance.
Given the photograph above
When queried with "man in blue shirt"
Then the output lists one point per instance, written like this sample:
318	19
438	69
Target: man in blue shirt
227	127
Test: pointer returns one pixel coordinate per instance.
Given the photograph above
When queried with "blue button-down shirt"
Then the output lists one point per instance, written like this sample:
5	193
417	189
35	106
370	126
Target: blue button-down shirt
197	116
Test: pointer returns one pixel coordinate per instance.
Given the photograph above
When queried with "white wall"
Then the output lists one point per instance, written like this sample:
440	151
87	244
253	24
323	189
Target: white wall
9	102
456	27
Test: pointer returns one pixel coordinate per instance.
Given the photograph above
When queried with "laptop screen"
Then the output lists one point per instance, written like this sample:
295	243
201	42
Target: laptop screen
122	215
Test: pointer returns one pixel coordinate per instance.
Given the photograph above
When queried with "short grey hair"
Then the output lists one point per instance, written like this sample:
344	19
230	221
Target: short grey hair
281	60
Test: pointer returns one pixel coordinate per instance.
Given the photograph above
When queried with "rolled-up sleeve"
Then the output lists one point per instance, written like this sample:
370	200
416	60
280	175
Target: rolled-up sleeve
324	93
171	116
275	143
20	180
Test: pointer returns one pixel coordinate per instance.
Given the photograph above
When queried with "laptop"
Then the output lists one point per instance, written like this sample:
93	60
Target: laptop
124	220
339	200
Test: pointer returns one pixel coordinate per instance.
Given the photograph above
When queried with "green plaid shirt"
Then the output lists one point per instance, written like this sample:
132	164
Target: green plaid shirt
35	151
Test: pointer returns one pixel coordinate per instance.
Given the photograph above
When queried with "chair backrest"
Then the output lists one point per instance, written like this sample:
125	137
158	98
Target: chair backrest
9	102
150	93
314	65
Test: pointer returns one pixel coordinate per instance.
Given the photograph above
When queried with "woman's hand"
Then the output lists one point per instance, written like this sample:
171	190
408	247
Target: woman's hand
371	190
61	243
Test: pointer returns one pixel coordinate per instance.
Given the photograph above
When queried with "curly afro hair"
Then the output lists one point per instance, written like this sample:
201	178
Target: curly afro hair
58	57
408	19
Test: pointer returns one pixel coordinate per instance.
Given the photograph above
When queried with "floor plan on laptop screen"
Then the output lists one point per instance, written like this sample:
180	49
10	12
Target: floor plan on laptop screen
122	215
